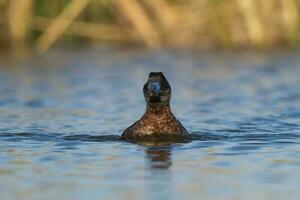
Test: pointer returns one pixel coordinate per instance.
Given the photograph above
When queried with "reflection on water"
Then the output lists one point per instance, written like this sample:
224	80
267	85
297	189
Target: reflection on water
61	116
159	157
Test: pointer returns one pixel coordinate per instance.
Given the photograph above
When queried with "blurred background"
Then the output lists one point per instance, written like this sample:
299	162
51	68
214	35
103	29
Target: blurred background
205	24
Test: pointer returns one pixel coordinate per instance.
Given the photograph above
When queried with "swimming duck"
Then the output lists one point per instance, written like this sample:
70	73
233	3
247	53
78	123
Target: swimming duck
158	120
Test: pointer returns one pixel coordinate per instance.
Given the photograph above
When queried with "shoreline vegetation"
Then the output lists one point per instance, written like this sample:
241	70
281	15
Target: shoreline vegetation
205	24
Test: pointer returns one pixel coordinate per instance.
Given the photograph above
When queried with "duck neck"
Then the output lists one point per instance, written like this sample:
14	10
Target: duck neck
157	108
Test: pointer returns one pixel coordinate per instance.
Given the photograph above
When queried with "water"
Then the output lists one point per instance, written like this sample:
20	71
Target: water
61	115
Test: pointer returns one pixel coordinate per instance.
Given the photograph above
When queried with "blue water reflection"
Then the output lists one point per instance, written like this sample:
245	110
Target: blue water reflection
61	115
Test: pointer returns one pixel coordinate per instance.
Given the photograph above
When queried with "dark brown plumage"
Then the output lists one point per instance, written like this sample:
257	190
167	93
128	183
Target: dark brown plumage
158	120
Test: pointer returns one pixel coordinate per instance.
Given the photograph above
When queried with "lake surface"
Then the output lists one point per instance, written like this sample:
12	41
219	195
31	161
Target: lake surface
61	114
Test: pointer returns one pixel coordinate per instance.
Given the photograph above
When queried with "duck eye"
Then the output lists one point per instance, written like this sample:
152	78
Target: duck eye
166	92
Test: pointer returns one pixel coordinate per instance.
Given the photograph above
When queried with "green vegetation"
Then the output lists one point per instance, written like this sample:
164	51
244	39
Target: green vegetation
151	23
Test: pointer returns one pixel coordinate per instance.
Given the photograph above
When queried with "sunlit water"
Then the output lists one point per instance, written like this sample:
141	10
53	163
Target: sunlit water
61	115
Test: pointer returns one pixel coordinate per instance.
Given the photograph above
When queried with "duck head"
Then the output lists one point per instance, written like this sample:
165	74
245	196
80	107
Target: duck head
157	89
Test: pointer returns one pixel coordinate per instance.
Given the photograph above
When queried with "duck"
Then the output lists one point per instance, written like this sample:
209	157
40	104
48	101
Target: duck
158	121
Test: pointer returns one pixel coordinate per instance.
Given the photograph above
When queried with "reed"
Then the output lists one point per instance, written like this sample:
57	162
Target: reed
133	12
60	24
152	23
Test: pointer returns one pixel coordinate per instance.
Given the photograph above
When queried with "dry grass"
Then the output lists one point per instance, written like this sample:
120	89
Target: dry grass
152	23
